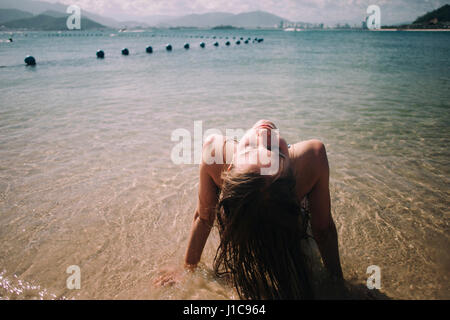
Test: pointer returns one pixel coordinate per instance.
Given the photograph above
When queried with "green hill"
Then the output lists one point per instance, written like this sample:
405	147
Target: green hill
49	22
439	16
38	7
13	14
55	14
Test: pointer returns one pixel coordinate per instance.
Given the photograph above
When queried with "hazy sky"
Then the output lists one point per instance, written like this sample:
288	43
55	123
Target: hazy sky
328	11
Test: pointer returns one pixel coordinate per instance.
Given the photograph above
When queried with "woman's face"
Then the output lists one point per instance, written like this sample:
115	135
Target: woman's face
262	150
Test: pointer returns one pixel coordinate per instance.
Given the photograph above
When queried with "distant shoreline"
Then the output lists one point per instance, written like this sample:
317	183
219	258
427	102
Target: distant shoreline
405	29
107	30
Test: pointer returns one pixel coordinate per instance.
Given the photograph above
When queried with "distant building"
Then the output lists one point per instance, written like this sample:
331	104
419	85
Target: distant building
364	24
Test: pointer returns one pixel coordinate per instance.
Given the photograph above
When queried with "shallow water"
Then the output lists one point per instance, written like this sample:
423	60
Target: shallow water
85	171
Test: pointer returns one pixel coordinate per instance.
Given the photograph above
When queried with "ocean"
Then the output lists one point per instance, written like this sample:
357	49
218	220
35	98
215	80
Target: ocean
86	176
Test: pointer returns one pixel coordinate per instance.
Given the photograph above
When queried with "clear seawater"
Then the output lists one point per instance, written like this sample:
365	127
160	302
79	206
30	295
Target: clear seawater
86	177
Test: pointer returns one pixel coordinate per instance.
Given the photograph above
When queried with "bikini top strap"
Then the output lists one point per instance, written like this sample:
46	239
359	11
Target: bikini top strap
225	149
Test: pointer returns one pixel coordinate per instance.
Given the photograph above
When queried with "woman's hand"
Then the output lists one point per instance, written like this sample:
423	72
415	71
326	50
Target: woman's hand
170	276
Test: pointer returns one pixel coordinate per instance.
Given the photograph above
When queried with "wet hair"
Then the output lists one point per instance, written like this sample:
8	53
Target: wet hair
261	227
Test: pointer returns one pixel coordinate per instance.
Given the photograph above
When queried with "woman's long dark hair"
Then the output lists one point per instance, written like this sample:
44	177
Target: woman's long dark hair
261	228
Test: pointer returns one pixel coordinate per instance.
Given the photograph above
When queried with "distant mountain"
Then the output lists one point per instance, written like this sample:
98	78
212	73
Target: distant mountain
13	14
55	14
38	7
437	19
154	19
246	20
198	20
49	23
440	15
401	23
133	25
255	19
34	7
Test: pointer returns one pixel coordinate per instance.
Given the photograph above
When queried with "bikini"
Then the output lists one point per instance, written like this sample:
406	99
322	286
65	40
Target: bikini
225	148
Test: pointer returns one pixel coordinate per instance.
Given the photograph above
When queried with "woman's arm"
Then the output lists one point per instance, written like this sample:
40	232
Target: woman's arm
312	173
204	215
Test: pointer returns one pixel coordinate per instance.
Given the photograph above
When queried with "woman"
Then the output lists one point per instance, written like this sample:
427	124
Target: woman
260	219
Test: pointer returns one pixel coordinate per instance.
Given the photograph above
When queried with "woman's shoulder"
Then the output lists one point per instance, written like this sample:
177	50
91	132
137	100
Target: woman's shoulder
299	148
217	154
305	150
216	149
306	159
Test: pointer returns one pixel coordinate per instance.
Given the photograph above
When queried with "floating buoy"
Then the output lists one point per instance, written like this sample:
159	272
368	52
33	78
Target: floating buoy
246	41
242	38
202	44
186	45
169	47
30	61
216	44
125	51
149	49
227	43
238	42
100	54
